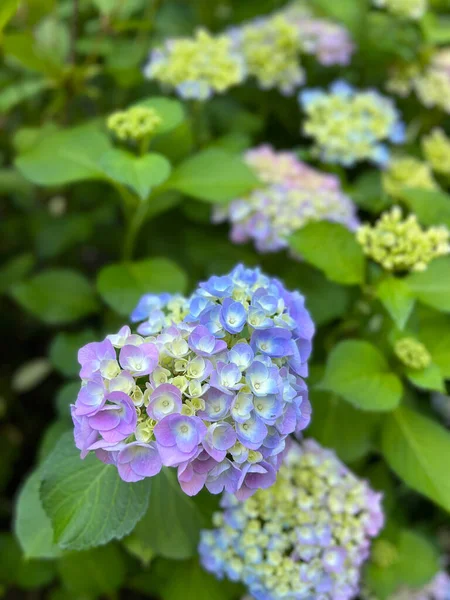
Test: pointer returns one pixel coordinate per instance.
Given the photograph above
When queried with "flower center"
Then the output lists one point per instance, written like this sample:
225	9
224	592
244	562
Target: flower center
165	403
260	406
184	429
232	320
263	346
257	386
245	426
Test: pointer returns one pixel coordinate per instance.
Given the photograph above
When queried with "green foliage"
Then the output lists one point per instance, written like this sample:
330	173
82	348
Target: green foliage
171	112
64	348
77	496
431	207
397	298
56	296
416	448
178	518
432	287
332	249
123	284
213	176
359	373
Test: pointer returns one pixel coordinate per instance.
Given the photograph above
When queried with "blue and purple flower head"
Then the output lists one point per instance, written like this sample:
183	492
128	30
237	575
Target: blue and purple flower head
305	538
211	385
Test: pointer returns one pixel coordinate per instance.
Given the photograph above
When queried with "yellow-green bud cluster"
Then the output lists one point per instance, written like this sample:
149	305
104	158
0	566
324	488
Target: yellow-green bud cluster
412	353
305	537
197	67
271	49
407	172
436	148
408	9
399	244
134	124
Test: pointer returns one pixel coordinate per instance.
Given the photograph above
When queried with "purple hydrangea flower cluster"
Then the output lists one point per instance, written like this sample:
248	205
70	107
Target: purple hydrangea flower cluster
304	538
211	385
293	195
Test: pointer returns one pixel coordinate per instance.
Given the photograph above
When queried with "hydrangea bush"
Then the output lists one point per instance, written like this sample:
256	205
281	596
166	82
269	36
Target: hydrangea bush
226	300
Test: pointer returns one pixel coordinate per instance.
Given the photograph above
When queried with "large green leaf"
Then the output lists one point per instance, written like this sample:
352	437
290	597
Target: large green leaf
359	373
331	248
434	332
15	270
140	173
417	449
432	207
397	298
171	112
14	94
56	296
429	378
32	526
65	156
7	10
353	438
414	563
213	175
64	350
122	285
432	286
172	523
87	502
94	572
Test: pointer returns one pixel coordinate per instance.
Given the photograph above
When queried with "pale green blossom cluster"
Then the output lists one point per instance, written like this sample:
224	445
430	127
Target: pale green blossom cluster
412	353
134	124
399	244
407	172
407	9
436	147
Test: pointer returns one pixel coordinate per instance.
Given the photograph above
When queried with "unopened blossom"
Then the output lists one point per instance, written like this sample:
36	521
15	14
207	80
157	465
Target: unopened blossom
436	147
407	9
412	353
134	124
349	126
270	47
407	172
433	85
305	537
399	244
292	194
328	42
211	385
198	67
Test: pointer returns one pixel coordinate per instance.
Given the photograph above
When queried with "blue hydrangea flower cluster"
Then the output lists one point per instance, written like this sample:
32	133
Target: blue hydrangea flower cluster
304	538
349	126
292	195
211	385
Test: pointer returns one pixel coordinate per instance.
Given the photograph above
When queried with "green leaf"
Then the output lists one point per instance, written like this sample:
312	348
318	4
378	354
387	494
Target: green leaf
53	434
171	112
95	572
66	396
23	573
397	298
65	156
7	10
432	207
172	523
64	350
87	502
15	270
122	285
331	248
52	40
427	379
140	173
213	175
353	438
415	563
359	373
432	286
21	49
434	332
56	296
32	526
417	449
193	583
30	375
12	95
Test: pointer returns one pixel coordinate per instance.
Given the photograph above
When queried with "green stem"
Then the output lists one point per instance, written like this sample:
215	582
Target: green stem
134	225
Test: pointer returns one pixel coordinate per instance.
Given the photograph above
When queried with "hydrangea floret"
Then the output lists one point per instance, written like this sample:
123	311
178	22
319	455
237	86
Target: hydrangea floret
211	385
305	537
271	49
412	353
436	147
349	126
408	9
197	68
407	172
328	42
293	195
399	244
135	124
